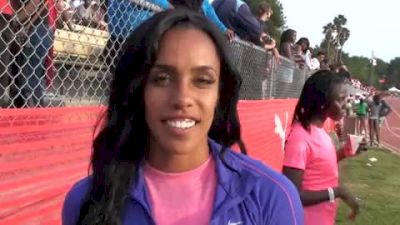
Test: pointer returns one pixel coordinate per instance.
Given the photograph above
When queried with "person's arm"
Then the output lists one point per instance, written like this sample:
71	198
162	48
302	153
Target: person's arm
209	12
286	51
315	197
245	18
271	43
386	107
66	18
307	197
296	159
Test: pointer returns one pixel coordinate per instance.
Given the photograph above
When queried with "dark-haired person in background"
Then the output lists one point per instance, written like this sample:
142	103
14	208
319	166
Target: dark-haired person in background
236	15
311	159
286	47
317	62
302	55
163	155
378	110
35	38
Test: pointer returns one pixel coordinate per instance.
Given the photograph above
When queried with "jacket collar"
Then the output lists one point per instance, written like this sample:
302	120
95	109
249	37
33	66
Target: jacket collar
233	185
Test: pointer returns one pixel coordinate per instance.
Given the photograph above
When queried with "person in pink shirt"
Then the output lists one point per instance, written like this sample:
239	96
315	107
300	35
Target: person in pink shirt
311	159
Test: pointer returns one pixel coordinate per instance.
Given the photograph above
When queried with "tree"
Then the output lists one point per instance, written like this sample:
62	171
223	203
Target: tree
360	68
336	35
393	74
277	22
328	42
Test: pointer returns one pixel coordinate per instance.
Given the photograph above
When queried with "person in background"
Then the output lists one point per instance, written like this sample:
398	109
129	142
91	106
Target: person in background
64	17
264	15
95	16
204	7
356	102
302	54
35	38
378	110
316	63
236	14
6	37
163	154
286	47
349	108
325	64
79	8
311	159
124	16
362	109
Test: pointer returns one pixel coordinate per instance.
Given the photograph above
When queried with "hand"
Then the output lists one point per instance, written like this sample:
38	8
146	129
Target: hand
270	45
277	57
350	200
273	42
229	34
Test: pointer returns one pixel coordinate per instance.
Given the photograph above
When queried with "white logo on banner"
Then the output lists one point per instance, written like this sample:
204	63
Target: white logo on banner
279	129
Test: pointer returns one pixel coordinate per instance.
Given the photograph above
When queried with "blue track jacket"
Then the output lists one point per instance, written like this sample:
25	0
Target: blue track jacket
252	194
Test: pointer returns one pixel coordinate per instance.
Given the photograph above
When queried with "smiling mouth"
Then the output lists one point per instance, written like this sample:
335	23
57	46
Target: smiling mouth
181	123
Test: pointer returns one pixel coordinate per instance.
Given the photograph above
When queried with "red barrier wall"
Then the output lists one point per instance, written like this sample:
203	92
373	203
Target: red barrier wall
44	151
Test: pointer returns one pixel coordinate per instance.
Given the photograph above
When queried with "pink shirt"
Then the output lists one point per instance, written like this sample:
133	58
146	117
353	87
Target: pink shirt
182	198
315	153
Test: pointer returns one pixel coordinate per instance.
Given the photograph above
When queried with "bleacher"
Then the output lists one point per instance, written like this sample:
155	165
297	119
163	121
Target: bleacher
86	43
81	75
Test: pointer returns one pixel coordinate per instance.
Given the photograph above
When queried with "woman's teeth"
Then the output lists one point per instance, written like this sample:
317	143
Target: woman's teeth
181	124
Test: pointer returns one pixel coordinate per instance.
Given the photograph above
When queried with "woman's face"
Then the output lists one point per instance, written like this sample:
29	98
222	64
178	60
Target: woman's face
337	107
304	46
182	92
293	37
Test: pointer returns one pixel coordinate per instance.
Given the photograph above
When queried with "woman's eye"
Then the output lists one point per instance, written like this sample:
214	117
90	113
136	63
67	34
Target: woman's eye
204	81
161	79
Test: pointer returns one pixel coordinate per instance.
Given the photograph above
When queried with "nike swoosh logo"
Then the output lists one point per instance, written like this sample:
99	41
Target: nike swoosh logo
235	223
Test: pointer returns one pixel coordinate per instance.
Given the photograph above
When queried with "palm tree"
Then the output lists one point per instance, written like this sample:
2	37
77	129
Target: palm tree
342	38
328	30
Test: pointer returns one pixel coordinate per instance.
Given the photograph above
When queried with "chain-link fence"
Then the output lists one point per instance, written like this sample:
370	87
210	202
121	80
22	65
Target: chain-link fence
61	53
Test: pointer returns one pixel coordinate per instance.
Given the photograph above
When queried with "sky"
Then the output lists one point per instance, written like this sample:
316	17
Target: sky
374	25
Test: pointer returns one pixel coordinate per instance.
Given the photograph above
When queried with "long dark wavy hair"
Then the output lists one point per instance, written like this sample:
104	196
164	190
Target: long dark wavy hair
316	97
120	146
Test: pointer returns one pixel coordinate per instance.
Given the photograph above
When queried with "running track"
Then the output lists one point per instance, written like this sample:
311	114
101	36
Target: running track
390	131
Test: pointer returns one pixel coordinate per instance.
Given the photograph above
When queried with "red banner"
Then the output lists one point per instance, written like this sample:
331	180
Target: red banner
44	151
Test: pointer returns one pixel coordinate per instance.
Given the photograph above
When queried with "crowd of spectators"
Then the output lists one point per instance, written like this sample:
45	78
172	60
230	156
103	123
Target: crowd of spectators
120	17
81	12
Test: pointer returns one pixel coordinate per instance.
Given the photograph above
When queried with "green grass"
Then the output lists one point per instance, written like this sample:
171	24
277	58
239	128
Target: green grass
378	187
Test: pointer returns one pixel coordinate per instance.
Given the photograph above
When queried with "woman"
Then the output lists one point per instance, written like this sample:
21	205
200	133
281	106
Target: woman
362	109
378	110
310	160
302	54
288	39
163	155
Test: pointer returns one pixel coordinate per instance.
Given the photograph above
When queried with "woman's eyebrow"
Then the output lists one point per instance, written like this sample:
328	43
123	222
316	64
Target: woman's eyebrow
164	67
204	68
